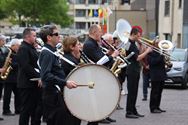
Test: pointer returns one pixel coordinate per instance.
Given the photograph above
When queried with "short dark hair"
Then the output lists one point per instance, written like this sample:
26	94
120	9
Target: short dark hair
135	31
45	31
27	31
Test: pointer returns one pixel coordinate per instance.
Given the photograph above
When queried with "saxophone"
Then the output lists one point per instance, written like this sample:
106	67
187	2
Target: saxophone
7	66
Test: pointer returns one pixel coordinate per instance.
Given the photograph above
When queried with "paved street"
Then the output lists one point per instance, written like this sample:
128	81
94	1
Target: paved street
175	101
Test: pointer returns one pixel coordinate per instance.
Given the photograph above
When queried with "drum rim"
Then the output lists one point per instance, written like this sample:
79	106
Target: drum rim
105	69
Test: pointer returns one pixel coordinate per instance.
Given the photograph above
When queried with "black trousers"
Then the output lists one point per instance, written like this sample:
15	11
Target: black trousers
1	89
10	87
156	93
122	76
39	108
55	109
132	87
29	101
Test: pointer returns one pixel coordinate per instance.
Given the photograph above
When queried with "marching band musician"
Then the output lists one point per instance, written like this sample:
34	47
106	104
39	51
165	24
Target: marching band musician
11	81
27	57
2	60
145	66
71	48
112	40
158	76
133	73
94	52
53	78
92	48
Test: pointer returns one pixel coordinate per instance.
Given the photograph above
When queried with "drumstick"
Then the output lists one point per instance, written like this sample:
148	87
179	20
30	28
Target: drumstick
90	85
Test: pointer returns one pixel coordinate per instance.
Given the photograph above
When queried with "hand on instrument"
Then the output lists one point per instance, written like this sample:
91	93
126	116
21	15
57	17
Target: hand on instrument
109	52
115	53
2	70
39	83
71	84
149	49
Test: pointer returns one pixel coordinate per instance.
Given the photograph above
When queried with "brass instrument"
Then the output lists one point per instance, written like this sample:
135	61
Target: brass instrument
164	46
121	61
114	69
7	66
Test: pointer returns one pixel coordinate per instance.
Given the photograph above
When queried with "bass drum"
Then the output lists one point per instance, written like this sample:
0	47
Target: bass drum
92	104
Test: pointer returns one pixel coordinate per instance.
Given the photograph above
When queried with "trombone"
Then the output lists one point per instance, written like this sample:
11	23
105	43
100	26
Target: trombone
164	46
123	31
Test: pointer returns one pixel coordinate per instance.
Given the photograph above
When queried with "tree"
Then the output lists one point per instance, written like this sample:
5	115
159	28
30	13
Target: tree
38	11
2	10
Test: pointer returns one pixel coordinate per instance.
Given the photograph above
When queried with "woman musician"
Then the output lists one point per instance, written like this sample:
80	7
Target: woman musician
71	48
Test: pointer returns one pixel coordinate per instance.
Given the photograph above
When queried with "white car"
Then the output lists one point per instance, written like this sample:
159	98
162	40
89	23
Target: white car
178	74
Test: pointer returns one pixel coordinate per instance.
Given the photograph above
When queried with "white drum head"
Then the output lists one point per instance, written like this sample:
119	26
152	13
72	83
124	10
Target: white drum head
92	104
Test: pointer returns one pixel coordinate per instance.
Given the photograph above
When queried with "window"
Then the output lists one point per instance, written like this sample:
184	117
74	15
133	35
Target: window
180	3
92	1
80	25
80	1
125	2
167	36
167	8
179	40
80	13
106	1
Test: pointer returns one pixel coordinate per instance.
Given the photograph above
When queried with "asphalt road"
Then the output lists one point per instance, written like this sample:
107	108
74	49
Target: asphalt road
174	100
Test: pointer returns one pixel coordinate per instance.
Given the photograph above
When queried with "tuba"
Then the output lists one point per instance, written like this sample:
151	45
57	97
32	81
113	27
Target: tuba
7	66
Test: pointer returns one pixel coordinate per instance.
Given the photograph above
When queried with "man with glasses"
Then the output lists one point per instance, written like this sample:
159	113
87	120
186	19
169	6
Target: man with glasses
53	79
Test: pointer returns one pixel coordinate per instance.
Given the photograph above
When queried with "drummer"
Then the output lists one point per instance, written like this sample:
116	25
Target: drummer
71	48
53	79
94	52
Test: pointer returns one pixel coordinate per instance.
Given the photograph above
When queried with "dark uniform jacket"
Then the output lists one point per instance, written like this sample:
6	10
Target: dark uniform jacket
135	65
27	64
157	66
94	52
52	72
68	67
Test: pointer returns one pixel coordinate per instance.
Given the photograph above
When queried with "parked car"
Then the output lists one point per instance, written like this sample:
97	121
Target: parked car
178	74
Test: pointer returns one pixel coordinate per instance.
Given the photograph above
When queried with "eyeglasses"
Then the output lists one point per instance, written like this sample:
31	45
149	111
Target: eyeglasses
54	34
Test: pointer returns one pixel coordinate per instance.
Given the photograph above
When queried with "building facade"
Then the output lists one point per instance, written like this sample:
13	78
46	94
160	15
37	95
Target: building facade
173	22
136	12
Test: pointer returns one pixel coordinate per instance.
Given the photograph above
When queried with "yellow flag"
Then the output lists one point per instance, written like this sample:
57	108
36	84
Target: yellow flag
91	13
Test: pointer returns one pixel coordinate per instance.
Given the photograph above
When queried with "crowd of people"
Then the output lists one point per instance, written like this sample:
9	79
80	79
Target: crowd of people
37	78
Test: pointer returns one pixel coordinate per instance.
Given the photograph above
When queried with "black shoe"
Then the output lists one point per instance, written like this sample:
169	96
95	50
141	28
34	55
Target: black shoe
104	121
139	115
110	119
9	113
1	119
161	110
133	116
155	111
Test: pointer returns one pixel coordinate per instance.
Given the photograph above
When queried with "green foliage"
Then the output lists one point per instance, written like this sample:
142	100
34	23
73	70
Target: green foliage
38	11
